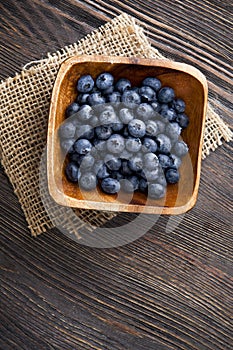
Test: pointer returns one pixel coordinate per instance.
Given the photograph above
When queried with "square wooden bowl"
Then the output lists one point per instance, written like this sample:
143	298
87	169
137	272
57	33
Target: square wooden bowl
188	83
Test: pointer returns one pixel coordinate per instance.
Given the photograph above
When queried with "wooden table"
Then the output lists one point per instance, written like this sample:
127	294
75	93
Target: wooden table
166	290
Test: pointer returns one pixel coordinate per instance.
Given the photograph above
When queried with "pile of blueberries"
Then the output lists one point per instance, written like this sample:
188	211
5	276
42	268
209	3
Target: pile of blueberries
124	137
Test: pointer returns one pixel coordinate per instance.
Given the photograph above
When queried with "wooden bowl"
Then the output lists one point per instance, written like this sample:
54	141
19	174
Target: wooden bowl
188	83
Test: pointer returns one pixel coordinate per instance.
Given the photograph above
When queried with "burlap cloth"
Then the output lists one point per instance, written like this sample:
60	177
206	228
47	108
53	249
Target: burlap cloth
24	108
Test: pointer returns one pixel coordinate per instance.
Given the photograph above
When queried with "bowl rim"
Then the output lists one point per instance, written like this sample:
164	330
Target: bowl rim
67	201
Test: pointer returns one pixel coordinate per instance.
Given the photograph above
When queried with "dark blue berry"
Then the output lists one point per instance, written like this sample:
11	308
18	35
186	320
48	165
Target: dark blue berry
165	161
117	126
122	85
112	162
151	161
114	97
145	111
152	82
102	172
151	128
110	185
115	144
156	106
72	172
87	181
104	81
103	132
166	95
180	148
130	98
176	161
95	99
76	158
137	128
85	113
156	191
169	114
147	94
133	144
172	176
143	185
82	98
67	145
99	145
85	132
173	131
125	170
108	115
85	83
82	146
72	109
67	130
164	143
183	120
126	115
126	185
179	105
149	145
108	91
151	175
135	163
87	162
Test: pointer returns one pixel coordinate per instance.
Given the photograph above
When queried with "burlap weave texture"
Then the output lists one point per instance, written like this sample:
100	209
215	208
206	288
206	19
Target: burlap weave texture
24	111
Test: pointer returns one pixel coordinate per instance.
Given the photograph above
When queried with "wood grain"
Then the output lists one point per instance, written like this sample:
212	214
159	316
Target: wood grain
170	289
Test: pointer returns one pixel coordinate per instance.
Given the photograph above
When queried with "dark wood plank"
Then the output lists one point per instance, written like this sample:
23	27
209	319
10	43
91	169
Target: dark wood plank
172	288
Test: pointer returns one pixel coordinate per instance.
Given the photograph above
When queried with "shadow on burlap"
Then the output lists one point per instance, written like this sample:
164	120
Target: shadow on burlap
24	109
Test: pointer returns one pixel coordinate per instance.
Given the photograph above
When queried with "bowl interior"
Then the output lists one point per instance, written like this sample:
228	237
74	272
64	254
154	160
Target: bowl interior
188	85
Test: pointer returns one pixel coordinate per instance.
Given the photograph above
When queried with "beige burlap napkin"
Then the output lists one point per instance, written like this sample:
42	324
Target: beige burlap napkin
24	109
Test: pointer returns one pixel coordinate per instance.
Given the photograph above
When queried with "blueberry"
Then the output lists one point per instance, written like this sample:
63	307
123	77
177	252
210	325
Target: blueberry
114	97
156	106
166	95
116	175
85	83
126	115
126	154
102	172
173	131
87	162
169	114
165	161
147	94
180	148
85	113
108	91
156	191
67	130
164	143
152	175
112	162
151	161
130	184
117	126
104	81
183	120
72	109
151	128
133	144
85	132
145	111
130	98
135	163
179	105
143	185
103	132
76	158
82	98
108	115
161	179
125	132
72	172
125	170
152	82
99	145
110	185
149	145
161	125
95	99
82	146
87	181
137	128
122	85
116	144
67	145
172	176
176	161
93	121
